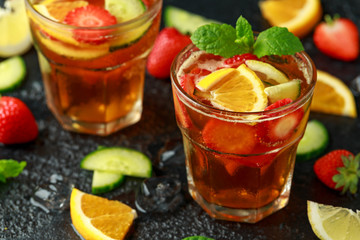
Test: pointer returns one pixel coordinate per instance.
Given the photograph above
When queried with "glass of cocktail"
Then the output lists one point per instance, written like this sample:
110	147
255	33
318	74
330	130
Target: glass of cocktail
92	56
241	119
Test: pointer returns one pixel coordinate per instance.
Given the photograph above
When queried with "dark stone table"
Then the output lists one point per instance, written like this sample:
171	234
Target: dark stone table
53	158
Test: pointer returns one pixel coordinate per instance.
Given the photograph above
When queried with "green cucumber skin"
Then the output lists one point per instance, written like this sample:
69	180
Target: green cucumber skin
20	78
316	146
99	188
188	26
89	163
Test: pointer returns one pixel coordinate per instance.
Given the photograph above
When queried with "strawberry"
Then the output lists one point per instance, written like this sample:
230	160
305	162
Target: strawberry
337	38
187	83
237	60
90	16
229	137
167	45
280	129
17	123
339	170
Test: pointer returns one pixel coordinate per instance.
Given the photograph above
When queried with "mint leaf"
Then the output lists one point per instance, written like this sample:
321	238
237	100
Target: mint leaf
277	41
197	238
244	34
10	168
217	39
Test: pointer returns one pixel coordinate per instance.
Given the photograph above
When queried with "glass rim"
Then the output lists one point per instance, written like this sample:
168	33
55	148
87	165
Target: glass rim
272	113
134	22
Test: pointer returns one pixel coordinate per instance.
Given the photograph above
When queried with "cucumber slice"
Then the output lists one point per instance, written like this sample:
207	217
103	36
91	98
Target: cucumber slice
12	73
184	21
118	160
291	89
125	10
314	141
103	182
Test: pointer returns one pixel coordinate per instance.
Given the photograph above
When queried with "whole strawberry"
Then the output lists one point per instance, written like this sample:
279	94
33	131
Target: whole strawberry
339	170
337	38
167	45
17	123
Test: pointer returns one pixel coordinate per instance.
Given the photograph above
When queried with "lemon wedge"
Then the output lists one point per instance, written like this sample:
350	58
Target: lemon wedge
299	16
267	72
333	223
99	218
332	96
213	78
238	90
15	32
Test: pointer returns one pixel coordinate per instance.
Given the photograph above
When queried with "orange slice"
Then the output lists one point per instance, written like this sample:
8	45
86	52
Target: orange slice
57	10
99	218
299	16
238	90
332	96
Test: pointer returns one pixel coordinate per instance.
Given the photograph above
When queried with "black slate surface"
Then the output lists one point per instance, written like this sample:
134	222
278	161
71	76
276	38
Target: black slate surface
53	158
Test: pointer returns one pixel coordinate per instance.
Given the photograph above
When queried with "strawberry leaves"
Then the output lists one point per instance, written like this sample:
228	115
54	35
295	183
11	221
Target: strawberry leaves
348	176
226	41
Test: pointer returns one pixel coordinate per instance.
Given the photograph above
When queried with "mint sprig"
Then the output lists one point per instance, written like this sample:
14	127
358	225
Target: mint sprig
227	41
10	168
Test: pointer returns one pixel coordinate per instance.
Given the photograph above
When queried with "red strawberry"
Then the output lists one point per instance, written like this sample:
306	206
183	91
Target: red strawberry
237	60
279	129
229	137
167	45
187	83
337	38
90	16
339	170
17	123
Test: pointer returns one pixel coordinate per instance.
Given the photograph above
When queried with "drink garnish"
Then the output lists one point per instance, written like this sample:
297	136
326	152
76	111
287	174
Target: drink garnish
10	168
314	141
227	41
12	73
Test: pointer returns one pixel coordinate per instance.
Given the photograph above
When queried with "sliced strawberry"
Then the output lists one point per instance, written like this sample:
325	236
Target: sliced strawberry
181	114
280	129
337	38
237	60
229	137
90	16
200	71
187	83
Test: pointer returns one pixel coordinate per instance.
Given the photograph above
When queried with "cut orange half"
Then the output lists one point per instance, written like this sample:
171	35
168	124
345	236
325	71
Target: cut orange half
332	96
299	16
238	90
99	218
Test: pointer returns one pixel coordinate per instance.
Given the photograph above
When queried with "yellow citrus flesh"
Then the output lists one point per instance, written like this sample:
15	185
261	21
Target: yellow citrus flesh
267	72
59	9
332	96
15	32
99	218
213	78
240	91
299	16
333	223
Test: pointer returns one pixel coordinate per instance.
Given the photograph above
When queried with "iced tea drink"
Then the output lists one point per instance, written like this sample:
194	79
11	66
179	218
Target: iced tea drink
92	57
240	164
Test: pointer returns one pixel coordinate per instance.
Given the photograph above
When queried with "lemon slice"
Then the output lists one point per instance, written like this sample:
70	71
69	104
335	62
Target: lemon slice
299	16
99	218
333	223
213	78
332	96
267	72
15	32
239	91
